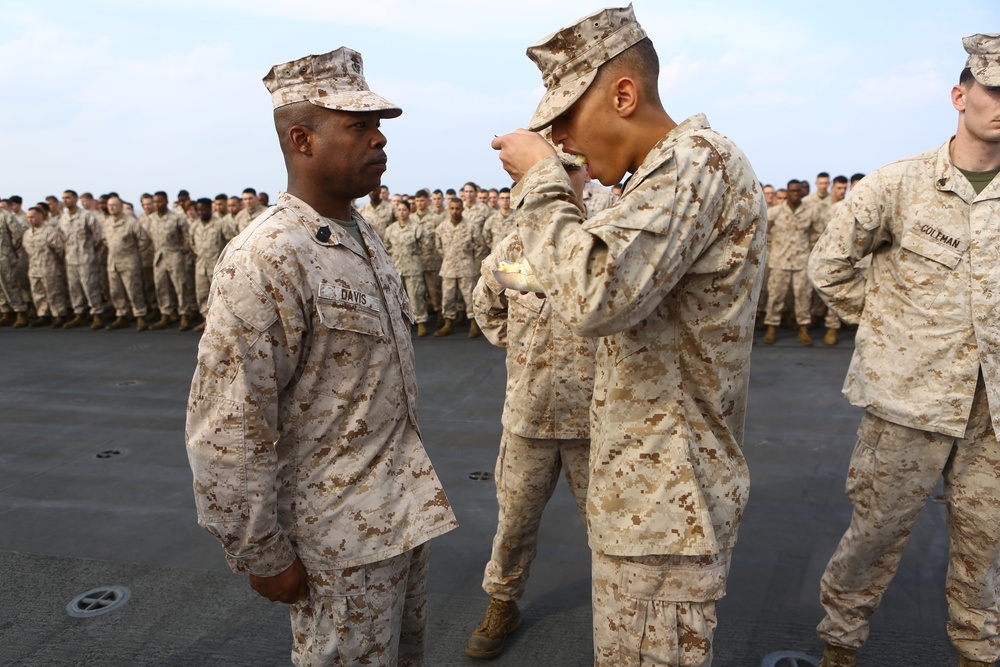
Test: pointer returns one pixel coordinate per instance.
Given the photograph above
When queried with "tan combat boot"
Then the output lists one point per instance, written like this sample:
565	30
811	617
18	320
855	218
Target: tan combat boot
969	662
421	329
140	324
162	324
473	329
21	320
75	322
185	323
502	618
838	656
447	329
804	338
831	337
770	335
119	323
97	322
6	319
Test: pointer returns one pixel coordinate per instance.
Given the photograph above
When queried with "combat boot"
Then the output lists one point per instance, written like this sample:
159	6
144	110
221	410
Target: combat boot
58	322
42	321
21	320
838	656
447	329
770	335
6	319
421	329
969	662
831	337
97	322
185	323
502	618
75	322
140	324
804	338
473	329
162	324
119	323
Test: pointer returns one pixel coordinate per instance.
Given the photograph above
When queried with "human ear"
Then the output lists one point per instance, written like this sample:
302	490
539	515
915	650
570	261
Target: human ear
300	139
958	97
626	97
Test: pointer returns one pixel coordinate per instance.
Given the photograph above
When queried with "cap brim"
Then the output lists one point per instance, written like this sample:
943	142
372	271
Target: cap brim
558	99
360	101
987	76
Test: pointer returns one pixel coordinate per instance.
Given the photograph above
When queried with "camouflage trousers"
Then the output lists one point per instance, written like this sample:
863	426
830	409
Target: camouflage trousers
893	471
779	281
451	290
432	285
85	288
48	291
173	289
656	610
417	293
527	471
373	614
126	289
203	284
11	297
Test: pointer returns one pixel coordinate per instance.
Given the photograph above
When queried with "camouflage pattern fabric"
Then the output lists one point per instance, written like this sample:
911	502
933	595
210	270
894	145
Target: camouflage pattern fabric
668	278
302	422
127	241
46	248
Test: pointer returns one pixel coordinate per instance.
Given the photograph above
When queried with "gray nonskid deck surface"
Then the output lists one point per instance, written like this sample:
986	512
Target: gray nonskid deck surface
95	491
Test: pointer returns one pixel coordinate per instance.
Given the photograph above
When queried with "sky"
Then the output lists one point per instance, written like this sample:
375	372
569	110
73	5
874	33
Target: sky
142	95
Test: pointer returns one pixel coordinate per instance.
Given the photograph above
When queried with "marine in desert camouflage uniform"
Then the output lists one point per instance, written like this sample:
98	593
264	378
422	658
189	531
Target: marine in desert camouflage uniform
377	212
171	234
668	278
546	429
404	241
428	220
499	225
127	241
209	235
926	369
13	309
302	420
84	241
45	246
460	244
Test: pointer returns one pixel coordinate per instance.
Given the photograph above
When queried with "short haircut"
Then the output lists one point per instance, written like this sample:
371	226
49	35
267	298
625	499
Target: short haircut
145	195
450	192
639	60
857	177
792	182
438	192
502	190
965	78
161	193
204	201
183	193
37	209
16	199
422	193
454	200
250	191
840	179
221	197
110	194
70	192
44	205
822	174
86	195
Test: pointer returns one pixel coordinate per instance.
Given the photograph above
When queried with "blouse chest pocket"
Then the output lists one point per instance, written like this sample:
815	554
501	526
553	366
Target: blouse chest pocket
348	309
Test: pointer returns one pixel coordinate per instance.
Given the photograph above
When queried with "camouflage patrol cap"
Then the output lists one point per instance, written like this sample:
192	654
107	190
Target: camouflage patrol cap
569	58
334	80
984	57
